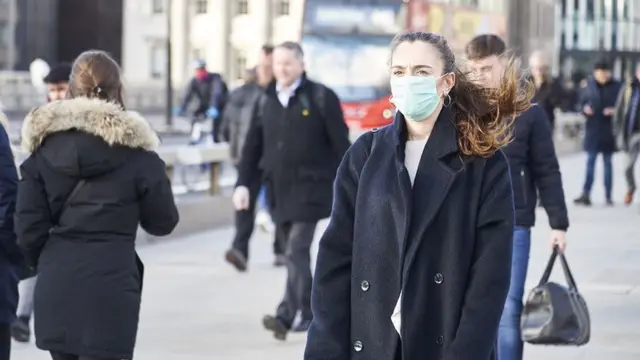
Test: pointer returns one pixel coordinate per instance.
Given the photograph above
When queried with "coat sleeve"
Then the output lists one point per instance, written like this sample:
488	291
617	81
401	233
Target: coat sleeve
158	211
249	167
491	269
546	170
620	110
8	193
33	218
334	123
330	332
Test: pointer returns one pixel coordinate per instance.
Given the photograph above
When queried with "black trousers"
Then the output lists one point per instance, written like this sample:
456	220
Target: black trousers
5	341
245	223
61	356
297	297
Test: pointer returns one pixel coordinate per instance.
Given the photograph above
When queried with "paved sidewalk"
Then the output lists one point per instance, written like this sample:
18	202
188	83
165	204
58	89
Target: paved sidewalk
197	308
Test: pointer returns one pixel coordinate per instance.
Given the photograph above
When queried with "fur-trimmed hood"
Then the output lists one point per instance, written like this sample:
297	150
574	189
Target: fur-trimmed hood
100	118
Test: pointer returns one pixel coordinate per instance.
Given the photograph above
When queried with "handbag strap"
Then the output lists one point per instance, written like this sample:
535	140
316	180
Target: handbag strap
70	197
567	273
547	271
565	268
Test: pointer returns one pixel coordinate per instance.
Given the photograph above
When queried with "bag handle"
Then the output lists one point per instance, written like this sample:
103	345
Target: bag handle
567	273
565	268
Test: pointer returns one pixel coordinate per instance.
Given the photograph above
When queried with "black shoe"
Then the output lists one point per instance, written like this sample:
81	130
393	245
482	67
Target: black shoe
276	326
280	260
237	259
582	200
20	330
302	326
609	202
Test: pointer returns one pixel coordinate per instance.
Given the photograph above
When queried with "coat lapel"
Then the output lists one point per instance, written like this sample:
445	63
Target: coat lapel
432	184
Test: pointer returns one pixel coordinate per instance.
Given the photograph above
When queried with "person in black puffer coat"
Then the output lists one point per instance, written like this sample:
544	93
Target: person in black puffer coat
91	179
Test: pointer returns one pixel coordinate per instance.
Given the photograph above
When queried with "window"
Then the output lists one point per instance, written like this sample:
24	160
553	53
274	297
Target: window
196	54
201	6
283	8
242	7
158	60
4	34
157	6
240	65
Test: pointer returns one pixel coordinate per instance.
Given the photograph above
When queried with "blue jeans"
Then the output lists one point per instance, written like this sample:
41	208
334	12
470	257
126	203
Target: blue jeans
262	198
510	345
608	173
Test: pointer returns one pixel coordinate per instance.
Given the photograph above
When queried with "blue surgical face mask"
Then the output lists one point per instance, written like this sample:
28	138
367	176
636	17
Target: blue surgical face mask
416	97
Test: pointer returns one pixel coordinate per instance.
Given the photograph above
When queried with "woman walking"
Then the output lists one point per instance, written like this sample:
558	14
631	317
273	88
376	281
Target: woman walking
415	263
92	178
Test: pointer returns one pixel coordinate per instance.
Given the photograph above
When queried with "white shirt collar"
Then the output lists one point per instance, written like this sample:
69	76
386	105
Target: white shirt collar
291	89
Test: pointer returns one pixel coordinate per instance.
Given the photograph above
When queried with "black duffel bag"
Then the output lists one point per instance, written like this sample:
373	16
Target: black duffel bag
555	314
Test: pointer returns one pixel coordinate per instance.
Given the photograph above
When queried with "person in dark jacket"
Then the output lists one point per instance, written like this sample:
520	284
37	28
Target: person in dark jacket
534	169
57	82
549	91
295	144
91	179
211	92
597	102
11	260
627	129
236	121
415	262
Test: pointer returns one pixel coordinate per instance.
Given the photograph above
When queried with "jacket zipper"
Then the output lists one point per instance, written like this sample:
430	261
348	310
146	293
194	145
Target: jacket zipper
524	188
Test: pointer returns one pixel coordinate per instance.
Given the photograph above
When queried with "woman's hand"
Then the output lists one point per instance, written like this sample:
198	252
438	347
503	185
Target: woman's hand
558	239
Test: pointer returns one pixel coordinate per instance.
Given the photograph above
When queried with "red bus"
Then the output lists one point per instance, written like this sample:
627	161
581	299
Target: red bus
346	45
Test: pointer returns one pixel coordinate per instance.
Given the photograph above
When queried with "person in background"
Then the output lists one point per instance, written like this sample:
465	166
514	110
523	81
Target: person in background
236	121
91	180
597	102
534	169
11	259
415	261
549	92
210	91
296	141
627	128
57	82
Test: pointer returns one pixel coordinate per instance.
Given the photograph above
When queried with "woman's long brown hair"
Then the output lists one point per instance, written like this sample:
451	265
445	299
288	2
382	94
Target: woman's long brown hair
483	117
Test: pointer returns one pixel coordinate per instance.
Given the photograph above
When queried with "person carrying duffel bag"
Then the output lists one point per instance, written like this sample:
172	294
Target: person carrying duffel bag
555	314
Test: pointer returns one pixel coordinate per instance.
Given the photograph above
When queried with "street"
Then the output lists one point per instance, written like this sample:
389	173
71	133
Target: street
196	307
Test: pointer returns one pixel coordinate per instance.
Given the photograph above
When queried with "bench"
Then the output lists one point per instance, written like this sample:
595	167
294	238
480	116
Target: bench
212	155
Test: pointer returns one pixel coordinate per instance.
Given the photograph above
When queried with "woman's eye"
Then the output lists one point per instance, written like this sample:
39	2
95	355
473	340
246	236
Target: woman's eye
423	72
397	73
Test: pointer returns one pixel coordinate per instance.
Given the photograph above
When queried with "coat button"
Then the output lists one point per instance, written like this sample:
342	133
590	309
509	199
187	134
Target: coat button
364	285
438	278
357	346
440	340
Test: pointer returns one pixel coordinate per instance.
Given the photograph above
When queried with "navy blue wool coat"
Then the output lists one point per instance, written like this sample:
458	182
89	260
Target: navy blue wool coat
446	242
599	136
11	260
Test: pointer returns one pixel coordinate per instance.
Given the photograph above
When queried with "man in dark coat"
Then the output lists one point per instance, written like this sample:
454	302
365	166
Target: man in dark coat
534	169
236	121
295	144
11	259
57	82
549	91
211	92
627	128
597	102
91	179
